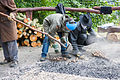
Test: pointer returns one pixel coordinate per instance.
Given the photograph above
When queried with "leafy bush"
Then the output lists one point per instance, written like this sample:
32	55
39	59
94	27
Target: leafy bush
97	19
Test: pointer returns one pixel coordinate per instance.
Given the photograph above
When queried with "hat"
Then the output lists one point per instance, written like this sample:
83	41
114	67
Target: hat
71	25
86	20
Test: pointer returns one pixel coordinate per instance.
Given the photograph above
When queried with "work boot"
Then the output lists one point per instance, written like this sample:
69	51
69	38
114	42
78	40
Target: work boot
13	64
66	55
5	62
42	59
77	54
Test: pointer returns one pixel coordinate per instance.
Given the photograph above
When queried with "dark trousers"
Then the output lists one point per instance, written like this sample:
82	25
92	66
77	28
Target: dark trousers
10	50
80	40
46	43
85	39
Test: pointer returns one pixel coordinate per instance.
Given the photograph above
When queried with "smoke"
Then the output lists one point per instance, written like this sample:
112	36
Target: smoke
109	49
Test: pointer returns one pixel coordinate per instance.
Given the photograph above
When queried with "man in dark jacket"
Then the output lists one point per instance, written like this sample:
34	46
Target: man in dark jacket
8	33
80	37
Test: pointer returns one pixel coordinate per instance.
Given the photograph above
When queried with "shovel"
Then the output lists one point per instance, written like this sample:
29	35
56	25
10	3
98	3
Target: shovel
35	30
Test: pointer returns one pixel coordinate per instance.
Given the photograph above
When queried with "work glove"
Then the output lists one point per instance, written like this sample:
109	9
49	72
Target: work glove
11	16
63	39
56	47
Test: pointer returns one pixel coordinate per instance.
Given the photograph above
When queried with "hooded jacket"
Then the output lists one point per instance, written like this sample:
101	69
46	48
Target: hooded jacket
56	23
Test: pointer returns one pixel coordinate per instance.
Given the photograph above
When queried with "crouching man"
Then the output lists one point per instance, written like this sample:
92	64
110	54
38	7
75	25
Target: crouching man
55	23
83	35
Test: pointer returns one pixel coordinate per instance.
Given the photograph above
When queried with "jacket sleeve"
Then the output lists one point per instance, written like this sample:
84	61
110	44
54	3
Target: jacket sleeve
52	29
9	5
73	35
91	32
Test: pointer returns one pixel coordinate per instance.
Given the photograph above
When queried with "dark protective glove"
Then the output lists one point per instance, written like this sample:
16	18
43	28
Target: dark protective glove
56	47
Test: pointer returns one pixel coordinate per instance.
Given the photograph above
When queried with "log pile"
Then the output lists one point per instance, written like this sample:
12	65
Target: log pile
26	36
113	37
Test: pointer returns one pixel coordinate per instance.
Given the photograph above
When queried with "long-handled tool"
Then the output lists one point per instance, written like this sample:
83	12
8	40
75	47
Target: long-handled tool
34	29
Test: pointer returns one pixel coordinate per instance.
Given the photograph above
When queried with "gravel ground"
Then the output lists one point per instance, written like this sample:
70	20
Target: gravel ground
91	68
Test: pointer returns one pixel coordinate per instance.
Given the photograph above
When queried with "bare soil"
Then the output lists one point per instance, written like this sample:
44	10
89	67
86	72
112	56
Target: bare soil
90	68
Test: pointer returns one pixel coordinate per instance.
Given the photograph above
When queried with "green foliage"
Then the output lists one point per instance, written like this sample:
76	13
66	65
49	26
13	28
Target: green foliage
97	19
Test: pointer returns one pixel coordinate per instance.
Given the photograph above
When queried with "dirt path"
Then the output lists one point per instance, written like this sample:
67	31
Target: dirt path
91	69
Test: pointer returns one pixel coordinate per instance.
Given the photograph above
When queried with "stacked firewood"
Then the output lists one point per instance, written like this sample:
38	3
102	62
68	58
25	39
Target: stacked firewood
113	37
26	36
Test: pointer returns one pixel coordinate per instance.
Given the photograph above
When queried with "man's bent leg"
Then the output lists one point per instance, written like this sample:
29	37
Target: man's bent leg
45	48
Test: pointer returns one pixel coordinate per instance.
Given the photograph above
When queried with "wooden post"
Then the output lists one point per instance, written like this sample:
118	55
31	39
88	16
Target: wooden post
29	14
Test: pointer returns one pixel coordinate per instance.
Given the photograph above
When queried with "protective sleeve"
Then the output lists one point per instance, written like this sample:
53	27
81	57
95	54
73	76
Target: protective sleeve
72	37
92	32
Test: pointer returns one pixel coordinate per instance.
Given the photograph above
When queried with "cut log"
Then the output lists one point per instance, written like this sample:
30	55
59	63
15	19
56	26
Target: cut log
35	32
24	33
38	43
22	43
34	22
26	42
19	25
113	36
33	44
33	37
21	35
29	22
37	25
57	37
26	36
39	28
30	31
26	28
39	34
26	20
20	31
18	43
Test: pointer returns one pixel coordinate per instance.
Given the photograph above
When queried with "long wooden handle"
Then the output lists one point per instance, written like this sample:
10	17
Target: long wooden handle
53	9
34	29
